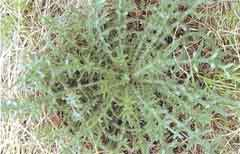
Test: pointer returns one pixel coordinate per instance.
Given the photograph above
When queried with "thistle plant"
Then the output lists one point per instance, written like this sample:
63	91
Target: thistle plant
130	83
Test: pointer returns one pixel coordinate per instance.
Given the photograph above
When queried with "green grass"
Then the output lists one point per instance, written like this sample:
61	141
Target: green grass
121	87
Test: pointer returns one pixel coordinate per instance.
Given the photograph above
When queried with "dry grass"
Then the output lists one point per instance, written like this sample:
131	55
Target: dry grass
18	138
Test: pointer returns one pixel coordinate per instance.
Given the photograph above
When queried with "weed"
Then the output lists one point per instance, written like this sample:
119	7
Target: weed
119	80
